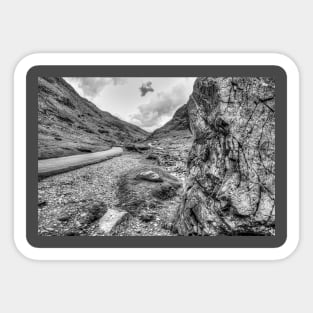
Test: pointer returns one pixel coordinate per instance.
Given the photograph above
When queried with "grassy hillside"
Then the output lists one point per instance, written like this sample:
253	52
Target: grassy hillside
69	124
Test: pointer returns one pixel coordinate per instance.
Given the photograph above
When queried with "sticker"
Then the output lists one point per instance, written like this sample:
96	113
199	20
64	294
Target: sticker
156	156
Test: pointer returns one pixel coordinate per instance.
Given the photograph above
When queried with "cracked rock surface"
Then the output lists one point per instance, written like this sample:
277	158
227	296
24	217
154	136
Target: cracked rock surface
230	186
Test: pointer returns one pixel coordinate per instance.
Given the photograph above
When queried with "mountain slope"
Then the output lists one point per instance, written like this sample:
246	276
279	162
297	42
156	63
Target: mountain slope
69	124
178	125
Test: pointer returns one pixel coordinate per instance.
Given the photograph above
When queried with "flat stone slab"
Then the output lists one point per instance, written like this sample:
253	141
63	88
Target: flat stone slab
55	166
111	219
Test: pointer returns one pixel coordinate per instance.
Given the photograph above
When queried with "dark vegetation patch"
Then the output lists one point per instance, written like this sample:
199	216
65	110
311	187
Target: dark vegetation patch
103	131
77	222
64	119
84	150
93	213
44	89
66	102
86	129
164	191
136	147
154	157
42	204
136	195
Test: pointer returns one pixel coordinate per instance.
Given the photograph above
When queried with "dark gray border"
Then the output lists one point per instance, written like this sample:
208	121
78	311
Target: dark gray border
273	71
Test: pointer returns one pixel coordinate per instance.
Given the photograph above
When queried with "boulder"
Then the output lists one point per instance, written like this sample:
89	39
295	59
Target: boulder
149	176
110	220
155	157
146	217
64	217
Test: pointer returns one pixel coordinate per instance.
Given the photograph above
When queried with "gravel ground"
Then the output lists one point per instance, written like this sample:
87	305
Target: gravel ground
71	203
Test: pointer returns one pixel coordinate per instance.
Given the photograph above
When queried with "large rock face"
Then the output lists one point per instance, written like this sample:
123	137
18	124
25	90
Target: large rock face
230	185
69	124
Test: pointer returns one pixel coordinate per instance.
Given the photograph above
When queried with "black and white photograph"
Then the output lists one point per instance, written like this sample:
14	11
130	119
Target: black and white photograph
156	156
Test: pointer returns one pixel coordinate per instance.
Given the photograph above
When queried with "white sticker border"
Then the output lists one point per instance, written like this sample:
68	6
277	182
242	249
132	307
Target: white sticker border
293	148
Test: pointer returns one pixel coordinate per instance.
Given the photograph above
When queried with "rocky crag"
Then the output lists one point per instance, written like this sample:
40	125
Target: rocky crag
171	143
69	124
230	186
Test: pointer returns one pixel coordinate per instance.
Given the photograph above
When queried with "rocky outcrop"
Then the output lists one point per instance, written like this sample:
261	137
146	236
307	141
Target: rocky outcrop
69	124
171	143
230	187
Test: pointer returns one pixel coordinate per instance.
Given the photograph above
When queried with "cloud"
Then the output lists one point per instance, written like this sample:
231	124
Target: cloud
92	86
145	88
160	107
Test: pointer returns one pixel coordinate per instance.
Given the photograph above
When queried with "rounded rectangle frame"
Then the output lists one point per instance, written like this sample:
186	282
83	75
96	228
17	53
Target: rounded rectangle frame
156	248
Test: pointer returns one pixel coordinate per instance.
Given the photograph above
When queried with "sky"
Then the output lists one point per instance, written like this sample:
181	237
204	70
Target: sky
148	102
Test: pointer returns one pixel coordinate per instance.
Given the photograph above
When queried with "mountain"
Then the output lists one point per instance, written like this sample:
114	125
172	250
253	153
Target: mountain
178	125
69	124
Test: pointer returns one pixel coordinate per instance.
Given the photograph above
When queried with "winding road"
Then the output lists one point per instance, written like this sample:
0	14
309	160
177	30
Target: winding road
54	166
